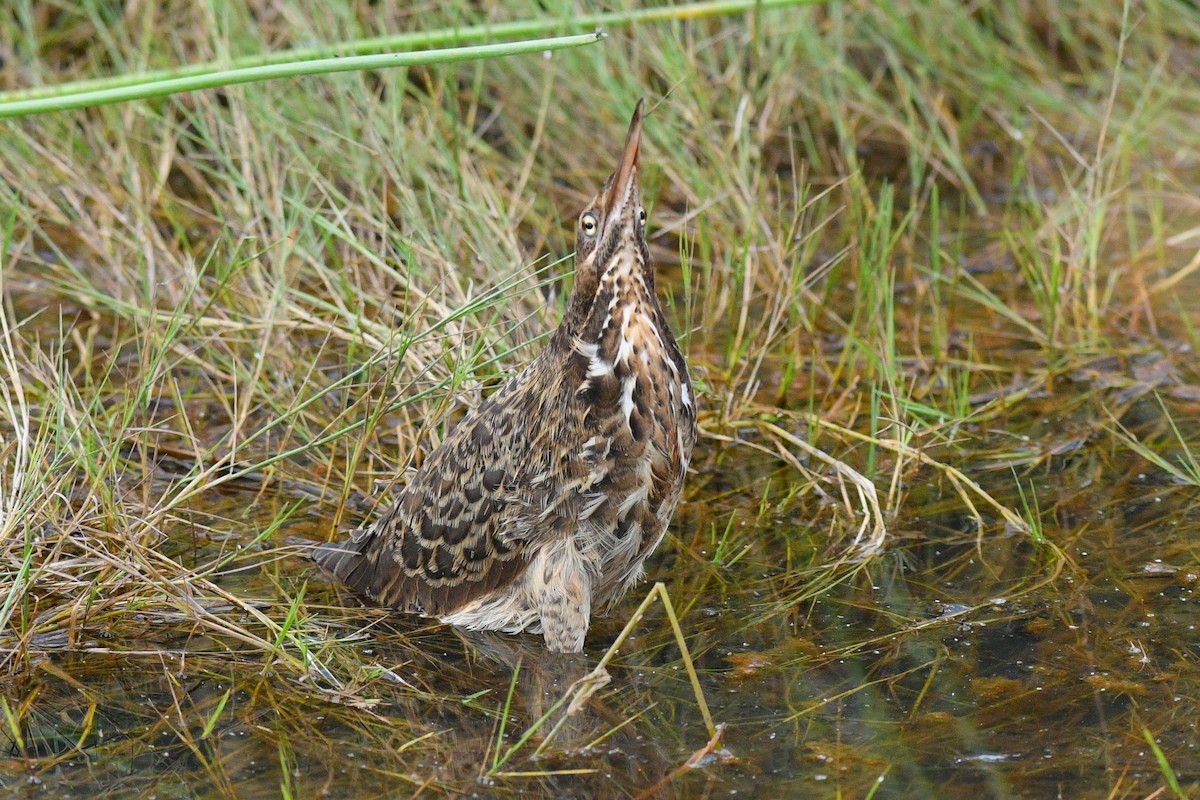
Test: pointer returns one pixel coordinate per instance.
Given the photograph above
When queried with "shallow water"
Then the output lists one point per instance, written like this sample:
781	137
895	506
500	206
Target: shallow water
961	660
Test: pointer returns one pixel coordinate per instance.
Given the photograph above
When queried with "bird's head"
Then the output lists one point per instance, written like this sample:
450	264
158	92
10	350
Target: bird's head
612	227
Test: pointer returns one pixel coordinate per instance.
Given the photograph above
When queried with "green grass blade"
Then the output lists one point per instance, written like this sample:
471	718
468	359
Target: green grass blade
322	66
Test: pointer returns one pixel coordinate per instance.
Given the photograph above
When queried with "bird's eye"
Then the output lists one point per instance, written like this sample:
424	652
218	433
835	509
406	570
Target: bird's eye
641	215
587	223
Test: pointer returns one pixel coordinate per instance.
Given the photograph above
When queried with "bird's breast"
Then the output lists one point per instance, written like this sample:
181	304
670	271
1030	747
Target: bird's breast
631	372
635	399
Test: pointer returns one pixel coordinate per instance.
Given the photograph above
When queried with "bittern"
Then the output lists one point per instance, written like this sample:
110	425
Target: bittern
544	502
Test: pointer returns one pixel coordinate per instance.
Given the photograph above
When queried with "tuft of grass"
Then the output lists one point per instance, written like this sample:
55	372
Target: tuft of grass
1180	460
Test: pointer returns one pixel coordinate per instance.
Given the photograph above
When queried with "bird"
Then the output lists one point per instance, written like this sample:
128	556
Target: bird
544	502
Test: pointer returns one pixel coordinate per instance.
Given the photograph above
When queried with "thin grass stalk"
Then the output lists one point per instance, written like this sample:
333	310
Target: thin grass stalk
266	72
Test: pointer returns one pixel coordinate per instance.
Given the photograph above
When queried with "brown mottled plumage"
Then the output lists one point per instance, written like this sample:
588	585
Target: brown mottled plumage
545	501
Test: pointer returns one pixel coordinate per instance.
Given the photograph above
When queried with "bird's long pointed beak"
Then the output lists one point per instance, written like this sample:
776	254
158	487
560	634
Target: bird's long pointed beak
624	181
633	142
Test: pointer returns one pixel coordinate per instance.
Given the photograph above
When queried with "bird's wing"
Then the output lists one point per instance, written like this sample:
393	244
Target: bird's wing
465	525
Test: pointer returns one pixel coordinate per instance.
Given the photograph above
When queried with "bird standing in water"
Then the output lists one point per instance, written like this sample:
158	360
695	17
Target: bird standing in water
545	501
